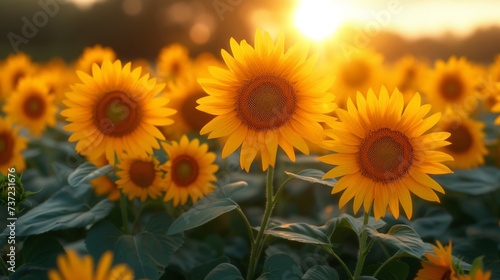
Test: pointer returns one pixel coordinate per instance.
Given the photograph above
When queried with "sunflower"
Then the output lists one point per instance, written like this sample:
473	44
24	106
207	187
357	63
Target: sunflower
190	170
96	54
267	98
105	186
11	146
173	62
140	177
496	107
383	154
452	84
73	267
467	141
54	77
16	67
479	274
31	106
116	110
357	72
407	76
438	265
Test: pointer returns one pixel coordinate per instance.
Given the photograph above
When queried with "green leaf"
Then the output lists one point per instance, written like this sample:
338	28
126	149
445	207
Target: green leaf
201	271
433	224
395	270
350	222
402	238
67	208
41	250
321	272
481	180
147	252
280	266
224	271
208	208
300	232
313	176
87	172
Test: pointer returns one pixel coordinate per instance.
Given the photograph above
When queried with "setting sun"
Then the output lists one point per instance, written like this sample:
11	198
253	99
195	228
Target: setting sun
319	19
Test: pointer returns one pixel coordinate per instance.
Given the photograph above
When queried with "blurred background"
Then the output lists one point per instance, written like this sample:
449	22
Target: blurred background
140	28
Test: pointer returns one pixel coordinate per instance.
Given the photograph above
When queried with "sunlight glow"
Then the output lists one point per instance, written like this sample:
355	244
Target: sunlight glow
85	4
319	19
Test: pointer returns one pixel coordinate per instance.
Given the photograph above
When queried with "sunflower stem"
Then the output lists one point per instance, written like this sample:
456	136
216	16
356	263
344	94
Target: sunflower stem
395	256
363	248
247	223
257	243
123	209
331	252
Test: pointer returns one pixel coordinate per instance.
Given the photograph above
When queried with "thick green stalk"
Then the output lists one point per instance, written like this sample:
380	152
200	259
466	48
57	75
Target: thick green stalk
123	209
363	249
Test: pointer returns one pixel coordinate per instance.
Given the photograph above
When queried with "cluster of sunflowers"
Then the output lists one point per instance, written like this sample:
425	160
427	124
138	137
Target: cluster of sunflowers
149	139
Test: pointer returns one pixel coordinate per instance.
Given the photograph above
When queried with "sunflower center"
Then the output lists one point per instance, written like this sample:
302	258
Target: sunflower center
116	114
6	147
446	275
266	102
196	119
385	155
356	73
461	139
34	106
451	87
184	170
142	173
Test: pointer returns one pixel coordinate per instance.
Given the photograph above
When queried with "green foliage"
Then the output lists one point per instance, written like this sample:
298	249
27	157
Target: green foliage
280	266
352	223
86	173
321	272
313	176
299	232
401	237
433	223
481	180
224	271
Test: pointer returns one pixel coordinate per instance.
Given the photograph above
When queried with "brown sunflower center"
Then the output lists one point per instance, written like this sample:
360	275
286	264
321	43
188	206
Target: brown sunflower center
6	147
451	87
461	139
185	170
194	118
446	275
266	102
34	106
356	73
116	114
142	173
385	155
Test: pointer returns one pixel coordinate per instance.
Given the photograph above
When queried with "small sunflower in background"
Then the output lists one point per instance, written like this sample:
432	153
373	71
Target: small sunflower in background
190	171
266	98
105	186
32	106
73	267
407	75
53	77
439	265
116	110
11	146
96	54
15	67
452	84
173	63
467	141
358	72
382	153
140	177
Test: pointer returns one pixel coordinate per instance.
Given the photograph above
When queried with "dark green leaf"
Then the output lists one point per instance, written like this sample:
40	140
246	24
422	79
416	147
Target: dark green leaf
395	270
481	180
201	271
321	272
86	173
433	224
402	238
41	250
280	266
348	221
299	232
313	176
225	271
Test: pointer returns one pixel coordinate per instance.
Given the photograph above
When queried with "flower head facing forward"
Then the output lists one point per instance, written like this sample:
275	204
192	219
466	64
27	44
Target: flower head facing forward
383	154
116	110
265	99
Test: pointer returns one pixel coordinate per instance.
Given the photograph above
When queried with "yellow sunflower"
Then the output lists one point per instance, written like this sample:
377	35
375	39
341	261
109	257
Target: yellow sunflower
16	67
116	110
438	265
358	72
190	171
140	177
407	76
173	62
73	267
267	98
96	54
478	274
11	146
467	141
32	106
452	84
383	154
55	78
105	186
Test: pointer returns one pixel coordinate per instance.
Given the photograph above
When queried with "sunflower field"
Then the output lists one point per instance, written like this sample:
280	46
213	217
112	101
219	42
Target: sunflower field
277	156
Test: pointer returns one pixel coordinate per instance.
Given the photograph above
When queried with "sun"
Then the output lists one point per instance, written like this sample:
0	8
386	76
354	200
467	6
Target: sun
319	19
